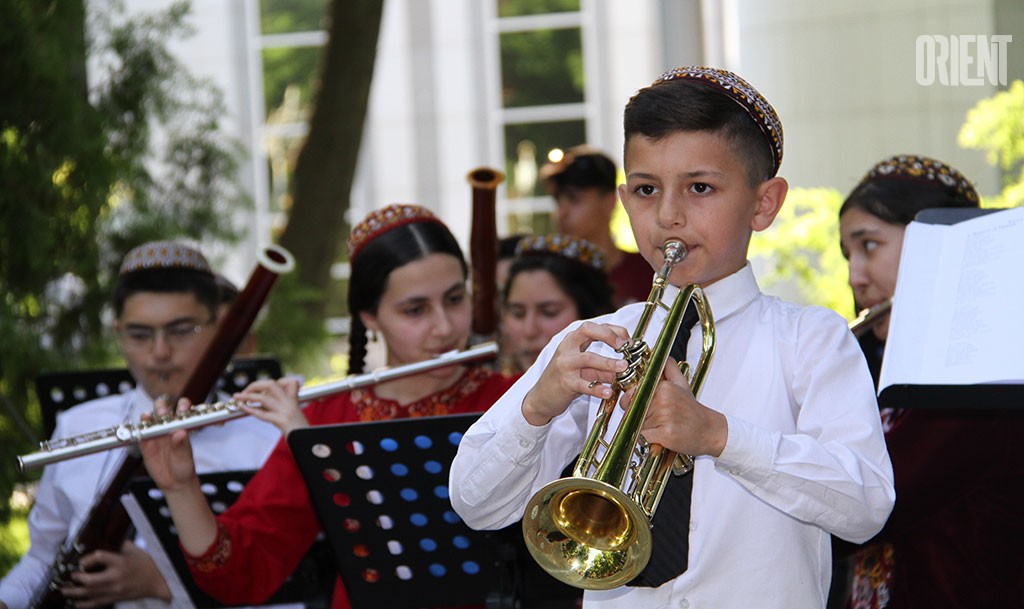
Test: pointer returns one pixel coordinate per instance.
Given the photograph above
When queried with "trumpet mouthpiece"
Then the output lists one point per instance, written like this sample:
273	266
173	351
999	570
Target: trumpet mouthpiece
674	251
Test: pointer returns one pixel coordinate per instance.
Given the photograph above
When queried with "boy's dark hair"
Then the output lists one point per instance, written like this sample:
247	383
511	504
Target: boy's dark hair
587	286
895	189
200	284
682	105
581	167
377	258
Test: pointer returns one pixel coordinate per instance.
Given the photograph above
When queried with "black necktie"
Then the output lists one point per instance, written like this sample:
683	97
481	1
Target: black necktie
671	522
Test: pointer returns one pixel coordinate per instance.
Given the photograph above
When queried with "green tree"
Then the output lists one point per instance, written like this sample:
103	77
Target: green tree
86	174
996	125
326	165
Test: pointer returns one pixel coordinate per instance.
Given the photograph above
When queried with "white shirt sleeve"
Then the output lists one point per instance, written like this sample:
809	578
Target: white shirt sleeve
503	459
832	468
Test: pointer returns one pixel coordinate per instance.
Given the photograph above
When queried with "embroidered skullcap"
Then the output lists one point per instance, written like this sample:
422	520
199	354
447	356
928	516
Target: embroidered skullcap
382	220
741	92
578	250
925	170
164	255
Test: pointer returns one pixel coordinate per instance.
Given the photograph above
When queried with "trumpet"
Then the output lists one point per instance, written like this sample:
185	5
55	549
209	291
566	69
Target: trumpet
592	530
202	415
869	317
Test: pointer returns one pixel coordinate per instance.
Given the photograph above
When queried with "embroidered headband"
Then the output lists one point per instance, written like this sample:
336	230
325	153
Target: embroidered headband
578	250
741	92
164	255
922	169
382	220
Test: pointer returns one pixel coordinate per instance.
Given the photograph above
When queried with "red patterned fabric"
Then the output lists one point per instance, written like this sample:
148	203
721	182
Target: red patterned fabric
214	557
953	537
631	279
273	523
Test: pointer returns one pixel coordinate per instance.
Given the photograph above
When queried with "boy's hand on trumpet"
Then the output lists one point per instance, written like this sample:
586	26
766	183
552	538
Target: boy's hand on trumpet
677	421
573	371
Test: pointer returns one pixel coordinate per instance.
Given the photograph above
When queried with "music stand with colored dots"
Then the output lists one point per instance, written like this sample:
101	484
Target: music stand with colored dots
380	490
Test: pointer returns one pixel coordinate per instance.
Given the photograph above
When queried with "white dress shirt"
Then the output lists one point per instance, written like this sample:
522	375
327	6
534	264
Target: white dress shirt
805	455
68	489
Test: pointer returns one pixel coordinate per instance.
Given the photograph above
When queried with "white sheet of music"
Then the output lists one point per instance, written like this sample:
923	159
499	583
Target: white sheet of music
958	311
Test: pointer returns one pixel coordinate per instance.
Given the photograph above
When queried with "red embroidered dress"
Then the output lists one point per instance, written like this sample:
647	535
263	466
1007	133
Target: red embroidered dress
265	534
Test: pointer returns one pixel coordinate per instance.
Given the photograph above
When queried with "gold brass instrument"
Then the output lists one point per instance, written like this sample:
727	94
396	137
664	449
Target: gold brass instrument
592	530
201	415
869	317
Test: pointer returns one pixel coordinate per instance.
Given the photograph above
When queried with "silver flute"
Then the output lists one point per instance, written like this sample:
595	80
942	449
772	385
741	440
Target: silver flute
201	415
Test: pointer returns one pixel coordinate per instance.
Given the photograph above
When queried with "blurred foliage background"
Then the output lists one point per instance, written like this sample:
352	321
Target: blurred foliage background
89	169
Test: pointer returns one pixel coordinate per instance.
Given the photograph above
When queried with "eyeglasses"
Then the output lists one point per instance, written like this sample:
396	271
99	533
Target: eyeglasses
176	334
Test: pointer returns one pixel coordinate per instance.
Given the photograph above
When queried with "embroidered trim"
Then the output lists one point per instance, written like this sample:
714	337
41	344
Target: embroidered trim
215	557
372	408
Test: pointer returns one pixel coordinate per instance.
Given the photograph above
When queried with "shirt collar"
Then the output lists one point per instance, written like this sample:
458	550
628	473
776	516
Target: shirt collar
727	295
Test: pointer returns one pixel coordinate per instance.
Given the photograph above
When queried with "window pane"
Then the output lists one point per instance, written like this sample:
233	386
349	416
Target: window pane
284	16
541	67
526	150
518	8
288	77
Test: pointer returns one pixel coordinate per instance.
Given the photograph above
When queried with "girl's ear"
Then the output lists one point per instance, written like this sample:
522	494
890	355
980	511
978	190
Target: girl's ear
369	321
770	196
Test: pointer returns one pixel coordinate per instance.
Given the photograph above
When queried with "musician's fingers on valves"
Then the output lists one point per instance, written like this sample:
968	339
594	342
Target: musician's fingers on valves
585	371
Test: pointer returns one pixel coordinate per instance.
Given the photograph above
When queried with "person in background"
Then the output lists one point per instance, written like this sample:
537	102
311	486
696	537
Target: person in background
786	438
166	309
408	285
952	538
583	184
506	254
553	280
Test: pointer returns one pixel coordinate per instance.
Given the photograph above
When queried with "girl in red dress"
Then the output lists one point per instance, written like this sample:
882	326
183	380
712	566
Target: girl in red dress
952	538
408	285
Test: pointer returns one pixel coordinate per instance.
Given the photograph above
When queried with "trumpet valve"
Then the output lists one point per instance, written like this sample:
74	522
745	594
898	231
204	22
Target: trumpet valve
636	353
682	464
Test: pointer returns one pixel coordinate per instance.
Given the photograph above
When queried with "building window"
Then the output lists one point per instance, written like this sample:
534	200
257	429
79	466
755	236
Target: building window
291	34
544	105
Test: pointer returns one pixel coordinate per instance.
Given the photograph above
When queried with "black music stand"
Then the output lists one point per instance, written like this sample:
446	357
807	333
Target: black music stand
312	581
381	492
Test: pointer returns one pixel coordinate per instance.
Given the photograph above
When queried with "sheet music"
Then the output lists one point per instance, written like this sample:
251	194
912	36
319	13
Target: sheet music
957	311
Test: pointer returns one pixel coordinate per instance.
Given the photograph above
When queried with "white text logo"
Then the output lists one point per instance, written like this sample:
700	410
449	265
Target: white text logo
971	60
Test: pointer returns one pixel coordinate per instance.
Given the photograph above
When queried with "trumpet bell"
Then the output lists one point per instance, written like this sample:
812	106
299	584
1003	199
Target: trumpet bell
587	533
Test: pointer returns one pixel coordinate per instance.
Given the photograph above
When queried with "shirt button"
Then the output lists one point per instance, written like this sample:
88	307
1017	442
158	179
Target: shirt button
524	443
683	604
693	526
734	472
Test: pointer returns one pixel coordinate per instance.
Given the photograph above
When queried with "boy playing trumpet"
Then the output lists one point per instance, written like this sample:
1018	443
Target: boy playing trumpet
788	445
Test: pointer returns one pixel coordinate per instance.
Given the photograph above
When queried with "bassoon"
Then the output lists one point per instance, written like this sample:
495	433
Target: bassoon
107	524
483	250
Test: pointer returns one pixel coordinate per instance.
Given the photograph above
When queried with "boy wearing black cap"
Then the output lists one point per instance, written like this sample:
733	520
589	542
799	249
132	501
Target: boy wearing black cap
583	185
786	436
